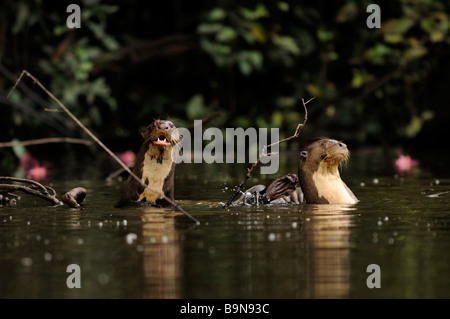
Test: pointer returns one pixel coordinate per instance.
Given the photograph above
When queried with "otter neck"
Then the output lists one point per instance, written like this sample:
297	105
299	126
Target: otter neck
325	186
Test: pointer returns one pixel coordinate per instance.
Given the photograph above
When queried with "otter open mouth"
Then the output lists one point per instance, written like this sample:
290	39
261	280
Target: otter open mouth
161	141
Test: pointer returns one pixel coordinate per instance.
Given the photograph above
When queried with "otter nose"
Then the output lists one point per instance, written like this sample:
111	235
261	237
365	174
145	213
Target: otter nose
165	125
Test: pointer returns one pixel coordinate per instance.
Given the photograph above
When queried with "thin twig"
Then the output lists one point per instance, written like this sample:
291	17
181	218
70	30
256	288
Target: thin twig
37	189
264	152
46	141
78	122
29	190
23	180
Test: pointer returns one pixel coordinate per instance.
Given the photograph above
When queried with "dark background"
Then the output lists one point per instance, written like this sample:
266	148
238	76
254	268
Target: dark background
233	63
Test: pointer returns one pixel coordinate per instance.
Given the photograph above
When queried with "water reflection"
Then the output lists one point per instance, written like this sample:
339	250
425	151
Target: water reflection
161	254
327	235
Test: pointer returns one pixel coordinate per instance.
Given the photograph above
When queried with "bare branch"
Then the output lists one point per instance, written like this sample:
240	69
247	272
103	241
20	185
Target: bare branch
46	141
78	122
36	189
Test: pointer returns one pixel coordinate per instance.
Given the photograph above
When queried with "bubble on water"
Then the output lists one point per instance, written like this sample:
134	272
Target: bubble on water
376	180
48	257
130	238
100	224
80	241
165	239
103	279
362	184
272	236
26	261
294	225
124	222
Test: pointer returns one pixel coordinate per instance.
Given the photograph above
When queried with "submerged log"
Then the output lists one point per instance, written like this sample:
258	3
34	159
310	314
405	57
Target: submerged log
74	197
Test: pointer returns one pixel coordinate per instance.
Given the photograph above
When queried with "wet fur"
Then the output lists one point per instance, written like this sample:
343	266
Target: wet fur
154	167
319	173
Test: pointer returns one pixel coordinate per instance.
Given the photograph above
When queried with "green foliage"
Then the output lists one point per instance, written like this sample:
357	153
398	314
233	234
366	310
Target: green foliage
253	61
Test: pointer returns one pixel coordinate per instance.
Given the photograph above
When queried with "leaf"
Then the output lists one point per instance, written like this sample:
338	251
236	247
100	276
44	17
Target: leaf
23	13
283	6
259	12
245	67
314	90
377	54
217	14
18	149
396	26
414	126
347	12
226	34
287	43
206	28
277	119
258	32
195	107
414	53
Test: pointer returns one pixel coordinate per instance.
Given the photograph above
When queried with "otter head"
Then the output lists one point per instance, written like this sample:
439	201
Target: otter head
324	154
162	134
319	173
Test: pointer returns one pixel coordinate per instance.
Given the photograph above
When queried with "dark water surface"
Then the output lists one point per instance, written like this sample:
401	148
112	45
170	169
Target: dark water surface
402	224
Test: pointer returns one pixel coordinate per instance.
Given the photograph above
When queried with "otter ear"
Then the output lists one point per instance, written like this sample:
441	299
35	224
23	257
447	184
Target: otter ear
304	154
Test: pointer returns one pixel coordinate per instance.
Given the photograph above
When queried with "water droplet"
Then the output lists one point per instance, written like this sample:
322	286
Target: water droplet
26	261
103	279
130	238
47	257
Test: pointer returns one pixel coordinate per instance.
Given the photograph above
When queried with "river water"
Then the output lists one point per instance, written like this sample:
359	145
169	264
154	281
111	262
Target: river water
401	225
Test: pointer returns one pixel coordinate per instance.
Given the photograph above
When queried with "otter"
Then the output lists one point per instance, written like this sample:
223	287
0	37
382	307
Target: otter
154	166
282	190
318	178
318	171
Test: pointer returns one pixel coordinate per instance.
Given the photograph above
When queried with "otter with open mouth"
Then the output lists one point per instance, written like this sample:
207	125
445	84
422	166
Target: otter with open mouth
154	166
318	176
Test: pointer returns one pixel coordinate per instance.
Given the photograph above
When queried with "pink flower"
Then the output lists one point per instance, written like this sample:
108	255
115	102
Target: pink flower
38	173
28	161
35	170
127	157
404	163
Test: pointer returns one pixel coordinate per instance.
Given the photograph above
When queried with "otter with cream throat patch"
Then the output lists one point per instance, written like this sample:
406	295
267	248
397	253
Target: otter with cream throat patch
154	167
318	171
318	176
